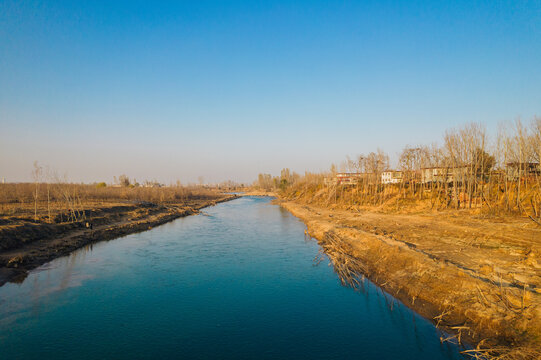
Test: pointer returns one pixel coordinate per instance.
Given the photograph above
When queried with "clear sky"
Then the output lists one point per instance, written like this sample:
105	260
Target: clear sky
227	89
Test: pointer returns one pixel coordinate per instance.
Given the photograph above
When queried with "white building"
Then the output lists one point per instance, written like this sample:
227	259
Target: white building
391	177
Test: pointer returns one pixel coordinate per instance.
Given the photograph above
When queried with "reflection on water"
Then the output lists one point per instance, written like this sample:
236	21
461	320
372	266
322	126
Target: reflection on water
237	282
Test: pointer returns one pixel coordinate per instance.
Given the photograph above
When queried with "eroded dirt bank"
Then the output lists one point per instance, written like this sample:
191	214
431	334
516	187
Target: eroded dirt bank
25	246
478	279
259	193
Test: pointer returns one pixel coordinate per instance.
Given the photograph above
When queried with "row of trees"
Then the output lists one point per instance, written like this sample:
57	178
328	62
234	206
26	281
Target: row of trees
50	196
268	182
467	170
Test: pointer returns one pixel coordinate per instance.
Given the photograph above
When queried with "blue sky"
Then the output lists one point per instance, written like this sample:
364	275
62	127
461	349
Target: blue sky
228	89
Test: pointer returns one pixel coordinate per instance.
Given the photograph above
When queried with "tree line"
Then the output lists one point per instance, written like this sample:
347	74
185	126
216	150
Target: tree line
52	198
467	170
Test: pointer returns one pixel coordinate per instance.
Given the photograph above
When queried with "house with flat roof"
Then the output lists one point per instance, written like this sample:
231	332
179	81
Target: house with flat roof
348	178
436	174
514	170
391	177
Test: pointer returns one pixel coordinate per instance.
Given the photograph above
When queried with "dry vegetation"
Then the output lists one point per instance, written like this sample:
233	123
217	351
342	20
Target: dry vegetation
461	245
46	219
62	201
476	278
499	177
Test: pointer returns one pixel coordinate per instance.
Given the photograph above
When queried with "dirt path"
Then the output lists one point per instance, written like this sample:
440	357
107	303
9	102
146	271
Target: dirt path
480	279
44	243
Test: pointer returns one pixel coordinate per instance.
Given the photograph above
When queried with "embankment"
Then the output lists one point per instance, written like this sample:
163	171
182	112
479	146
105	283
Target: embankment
478	279
259	193
27	245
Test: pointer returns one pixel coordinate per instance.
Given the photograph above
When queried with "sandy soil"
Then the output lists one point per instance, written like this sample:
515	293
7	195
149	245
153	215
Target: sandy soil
478	278
259	193
25	244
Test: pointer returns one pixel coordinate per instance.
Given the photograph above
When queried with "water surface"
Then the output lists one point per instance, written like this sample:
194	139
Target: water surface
237	283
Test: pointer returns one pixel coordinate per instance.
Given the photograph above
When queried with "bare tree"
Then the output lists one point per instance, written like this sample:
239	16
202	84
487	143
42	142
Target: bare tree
48	178
535	140
36	176
467	171
124	180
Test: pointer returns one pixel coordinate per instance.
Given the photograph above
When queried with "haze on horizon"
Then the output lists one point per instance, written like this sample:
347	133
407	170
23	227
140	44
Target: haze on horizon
226	90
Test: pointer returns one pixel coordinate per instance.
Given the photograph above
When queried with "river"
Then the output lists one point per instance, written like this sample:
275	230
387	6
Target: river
237	282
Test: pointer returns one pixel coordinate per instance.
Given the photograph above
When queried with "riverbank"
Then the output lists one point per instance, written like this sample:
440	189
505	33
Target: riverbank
241	278
259	193
479	279
25	244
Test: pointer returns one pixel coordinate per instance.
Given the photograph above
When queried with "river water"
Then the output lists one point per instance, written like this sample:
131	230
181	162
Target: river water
239	282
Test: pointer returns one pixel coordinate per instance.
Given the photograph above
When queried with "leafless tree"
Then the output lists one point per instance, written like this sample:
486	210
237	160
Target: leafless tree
124	180
36	176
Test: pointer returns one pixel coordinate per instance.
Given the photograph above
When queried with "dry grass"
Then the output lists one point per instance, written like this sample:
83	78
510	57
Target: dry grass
503	353
19	199
476	279
396	199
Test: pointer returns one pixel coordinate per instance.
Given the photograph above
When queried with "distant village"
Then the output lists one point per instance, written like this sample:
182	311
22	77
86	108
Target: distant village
512	172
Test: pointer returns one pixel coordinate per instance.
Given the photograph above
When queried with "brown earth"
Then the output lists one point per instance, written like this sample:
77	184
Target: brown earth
259	193
26	244
479	279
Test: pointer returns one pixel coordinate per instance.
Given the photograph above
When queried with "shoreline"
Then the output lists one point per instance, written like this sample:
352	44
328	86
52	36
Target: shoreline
16	263
463	302
259	193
